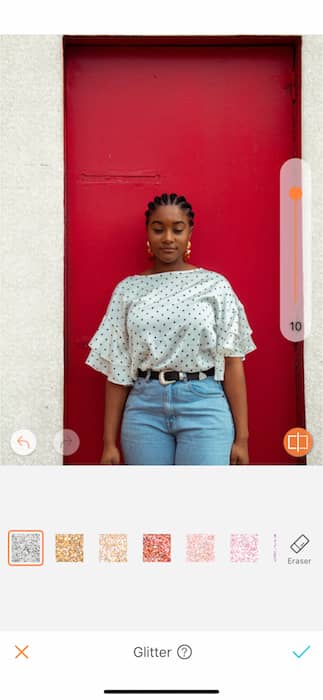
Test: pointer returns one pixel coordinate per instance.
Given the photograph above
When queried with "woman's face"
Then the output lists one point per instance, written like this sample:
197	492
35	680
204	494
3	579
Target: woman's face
168	233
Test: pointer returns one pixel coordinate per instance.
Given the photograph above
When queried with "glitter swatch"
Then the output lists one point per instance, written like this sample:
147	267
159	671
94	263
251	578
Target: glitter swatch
156	548
25	547
113	548
244	548
200	548
69	548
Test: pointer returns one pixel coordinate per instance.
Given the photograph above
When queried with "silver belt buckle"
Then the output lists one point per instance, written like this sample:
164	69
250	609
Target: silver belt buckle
162	379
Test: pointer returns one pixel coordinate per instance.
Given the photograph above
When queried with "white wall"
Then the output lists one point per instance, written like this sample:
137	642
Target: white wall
312	152
32	248
32	235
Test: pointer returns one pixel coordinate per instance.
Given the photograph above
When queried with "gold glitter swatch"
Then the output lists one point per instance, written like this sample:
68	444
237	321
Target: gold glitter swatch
156	548
113	548
69	548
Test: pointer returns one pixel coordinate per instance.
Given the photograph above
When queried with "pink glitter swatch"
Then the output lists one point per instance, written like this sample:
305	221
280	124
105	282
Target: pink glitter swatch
244	548
200	547
156	548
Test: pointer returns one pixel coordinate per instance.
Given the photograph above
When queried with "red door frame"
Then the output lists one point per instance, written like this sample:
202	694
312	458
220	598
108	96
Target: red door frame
295	42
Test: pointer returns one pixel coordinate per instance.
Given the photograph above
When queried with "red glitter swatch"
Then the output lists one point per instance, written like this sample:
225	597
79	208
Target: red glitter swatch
156	548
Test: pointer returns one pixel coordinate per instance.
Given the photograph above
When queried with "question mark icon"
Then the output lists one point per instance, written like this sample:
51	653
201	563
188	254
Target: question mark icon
184	651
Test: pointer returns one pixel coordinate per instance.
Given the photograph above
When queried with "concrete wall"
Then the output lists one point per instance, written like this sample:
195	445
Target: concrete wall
32	236
312	152
32	248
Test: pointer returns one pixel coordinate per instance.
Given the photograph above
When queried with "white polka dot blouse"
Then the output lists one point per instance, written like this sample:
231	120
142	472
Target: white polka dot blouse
186	320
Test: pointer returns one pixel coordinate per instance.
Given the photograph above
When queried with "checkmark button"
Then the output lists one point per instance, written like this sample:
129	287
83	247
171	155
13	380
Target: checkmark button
299	656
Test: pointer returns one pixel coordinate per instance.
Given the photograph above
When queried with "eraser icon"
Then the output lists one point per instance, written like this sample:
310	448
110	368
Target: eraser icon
299	544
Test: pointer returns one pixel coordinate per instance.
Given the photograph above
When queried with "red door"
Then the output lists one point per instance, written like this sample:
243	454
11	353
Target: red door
208	119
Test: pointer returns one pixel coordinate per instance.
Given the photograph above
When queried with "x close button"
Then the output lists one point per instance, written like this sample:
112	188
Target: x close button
21	652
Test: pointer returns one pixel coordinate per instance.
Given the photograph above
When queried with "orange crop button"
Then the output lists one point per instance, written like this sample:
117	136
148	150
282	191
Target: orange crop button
298	442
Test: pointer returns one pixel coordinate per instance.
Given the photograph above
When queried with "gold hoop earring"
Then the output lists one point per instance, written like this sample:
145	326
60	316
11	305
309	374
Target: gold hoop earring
149	250
187	253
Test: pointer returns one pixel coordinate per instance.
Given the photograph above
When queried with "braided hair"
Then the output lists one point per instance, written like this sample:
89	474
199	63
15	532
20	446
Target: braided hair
166	199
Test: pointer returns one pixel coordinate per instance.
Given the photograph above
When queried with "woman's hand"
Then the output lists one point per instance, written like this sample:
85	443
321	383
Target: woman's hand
239	452
234	385
110	455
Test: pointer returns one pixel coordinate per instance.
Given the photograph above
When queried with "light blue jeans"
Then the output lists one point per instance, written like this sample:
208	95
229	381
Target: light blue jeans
185	423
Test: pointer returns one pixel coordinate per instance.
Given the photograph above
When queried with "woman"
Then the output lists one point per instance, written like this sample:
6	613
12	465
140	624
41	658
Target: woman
171	344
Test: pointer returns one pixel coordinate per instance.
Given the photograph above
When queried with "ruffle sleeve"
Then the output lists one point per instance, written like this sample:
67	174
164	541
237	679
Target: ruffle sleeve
233	330
109	345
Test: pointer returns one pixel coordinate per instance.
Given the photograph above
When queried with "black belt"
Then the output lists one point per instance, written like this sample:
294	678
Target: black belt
168	376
